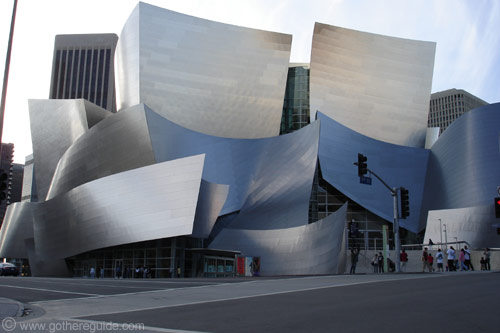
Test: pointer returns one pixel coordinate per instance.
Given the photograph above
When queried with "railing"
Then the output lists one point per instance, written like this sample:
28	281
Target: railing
456	245
370	244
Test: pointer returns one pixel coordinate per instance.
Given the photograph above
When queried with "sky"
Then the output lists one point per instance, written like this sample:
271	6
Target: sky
466	33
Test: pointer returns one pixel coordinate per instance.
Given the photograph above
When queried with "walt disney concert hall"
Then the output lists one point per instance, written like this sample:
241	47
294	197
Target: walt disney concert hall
192	173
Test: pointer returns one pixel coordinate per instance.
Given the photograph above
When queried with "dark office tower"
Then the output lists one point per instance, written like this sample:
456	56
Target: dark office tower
448	105
7	178
83	67
296	105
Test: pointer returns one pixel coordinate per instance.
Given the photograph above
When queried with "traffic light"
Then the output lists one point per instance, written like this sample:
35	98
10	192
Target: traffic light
405	203
362	166
497	207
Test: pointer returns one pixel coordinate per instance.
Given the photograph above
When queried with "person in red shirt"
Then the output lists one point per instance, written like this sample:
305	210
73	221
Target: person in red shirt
403	258
430	261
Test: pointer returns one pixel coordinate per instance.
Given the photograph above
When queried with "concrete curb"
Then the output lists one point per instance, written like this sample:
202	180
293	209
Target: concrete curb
10	308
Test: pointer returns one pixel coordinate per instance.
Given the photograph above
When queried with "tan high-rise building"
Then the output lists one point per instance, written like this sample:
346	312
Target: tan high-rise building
446	106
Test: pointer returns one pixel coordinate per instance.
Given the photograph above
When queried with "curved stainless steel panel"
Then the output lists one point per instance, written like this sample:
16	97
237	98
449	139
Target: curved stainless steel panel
397	165
261	174
118	143
55	125
269	179
309	249
376	85
464	162
212	198
472	224
152	202
210	77
17	226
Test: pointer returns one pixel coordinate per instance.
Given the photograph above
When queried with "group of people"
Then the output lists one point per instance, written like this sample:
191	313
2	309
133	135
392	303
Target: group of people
455	261
461	261
138	272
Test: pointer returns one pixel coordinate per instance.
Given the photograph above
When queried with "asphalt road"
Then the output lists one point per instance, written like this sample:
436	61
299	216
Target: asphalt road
461	303
28	290
450	302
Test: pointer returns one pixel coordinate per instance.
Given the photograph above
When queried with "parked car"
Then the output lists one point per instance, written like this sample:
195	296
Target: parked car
8	269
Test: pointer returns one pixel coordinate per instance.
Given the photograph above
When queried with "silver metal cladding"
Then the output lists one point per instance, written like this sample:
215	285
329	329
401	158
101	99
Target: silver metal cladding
55	126
397	165
152	202
376	85
210	77
314	248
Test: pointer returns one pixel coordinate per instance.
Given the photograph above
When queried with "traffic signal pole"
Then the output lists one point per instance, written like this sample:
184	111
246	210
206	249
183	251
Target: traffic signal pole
394	193
397	241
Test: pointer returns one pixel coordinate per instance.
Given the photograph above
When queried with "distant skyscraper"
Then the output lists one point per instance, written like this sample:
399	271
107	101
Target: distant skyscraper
446	106
11	177
296	105
29	186
83	67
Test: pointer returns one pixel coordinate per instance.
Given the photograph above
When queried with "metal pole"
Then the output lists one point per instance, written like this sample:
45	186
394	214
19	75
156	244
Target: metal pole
445	235
396	230
6	72
441	233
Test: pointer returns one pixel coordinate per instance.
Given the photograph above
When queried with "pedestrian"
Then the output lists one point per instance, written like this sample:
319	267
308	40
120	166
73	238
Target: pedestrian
430	261
354	259
487	256
118	272
375	263
178	272
102	273
404	260
439	260
451	259
468	258
461	259
425	263
483	264
92	272
380	262
137	270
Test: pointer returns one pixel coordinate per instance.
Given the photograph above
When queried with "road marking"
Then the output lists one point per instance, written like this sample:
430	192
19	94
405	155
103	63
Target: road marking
53	291
256	295
124	326
99	285
134	293
134	280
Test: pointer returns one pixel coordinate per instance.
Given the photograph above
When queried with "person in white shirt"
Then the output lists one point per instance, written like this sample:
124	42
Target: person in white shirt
439	260
451	259
468	258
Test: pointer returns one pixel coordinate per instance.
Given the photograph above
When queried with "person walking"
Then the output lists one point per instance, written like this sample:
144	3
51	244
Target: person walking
375	263
451	259
92	273
461	259
487	256
354	259
380	263
403	258
468	259
425	262
102	272
439	260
